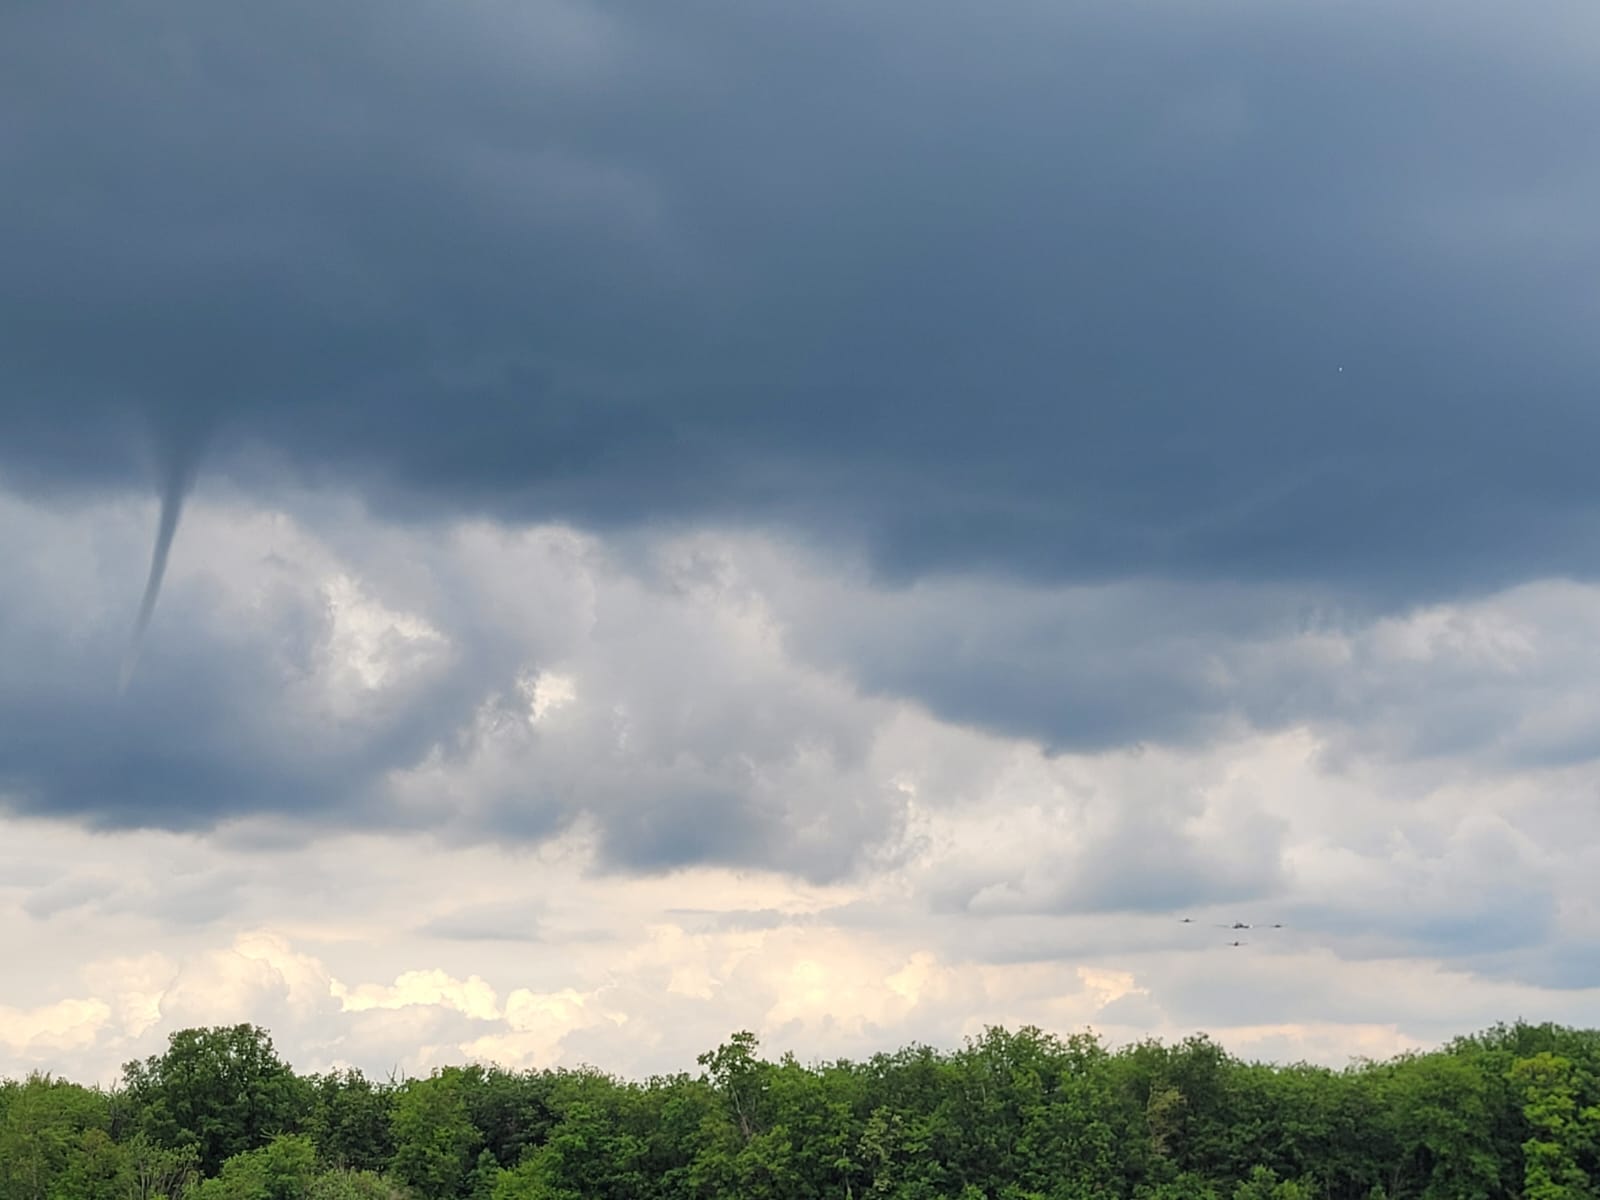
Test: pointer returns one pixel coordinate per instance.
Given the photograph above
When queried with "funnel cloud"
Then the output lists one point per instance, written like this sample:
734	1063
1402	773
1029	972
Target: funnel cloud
177	477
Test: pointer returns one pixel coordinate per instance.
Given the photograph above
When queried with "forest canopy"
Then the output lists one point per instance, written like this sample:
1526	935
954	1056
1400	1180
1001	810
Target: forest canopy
1013	1115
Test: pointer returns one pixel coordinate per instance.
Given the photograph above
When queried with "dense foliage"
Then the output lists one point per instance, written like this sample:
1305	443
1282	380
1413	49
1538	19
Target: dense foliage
1512	1112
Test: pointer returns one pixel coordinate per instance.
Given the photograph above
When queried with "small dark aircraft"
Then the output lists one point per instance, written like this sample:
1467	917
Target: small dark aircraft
1238	943
1236	925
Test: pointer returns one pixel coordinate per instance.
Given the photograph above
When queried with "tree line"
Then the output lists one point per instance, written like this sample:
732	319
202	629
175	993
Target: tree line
1511	1112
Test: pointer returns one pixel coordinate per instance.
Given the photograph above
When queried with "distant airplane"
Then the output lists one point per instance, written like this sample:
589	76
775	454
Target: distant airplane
1185	920
1238	943
1236	925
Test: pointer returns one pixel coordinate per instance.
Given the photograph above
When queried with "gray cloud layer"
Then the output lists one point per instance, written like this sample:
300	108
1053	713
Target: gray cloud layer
717	699
1219	332
484	684
1043	289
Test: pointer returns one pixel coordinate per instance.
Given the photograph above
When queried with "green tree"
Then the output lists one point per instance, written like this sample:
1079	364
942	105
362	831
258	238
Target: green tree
1438	1104
159	1172
736	1073
222	1090
45	1125
678	1116
511	1111
1264	1184
435	1142
1563	1131
355	1185
601	1146
349	1120
284	1169
97	1169
531	1180
1187	1186
1510	1114
813	1114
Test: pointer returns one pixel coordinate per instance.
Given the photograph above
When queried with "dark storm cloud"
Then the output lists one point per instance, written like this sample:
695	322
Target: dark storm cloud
272	689
197	739
1078	669
1502	682
1037	288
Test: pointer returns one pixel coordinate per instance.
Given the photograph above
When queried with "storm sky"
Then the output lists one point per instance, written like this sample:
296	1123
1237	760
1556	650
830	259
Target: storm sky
843	520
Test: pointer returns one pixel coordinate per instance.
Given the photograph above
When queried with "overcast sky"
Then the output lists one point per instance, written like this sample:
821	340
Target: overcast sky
843	520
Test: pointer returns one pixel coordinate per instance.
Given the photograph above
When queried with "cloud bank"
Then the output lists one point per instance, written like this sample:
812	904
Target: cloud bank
1232	293
845	521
